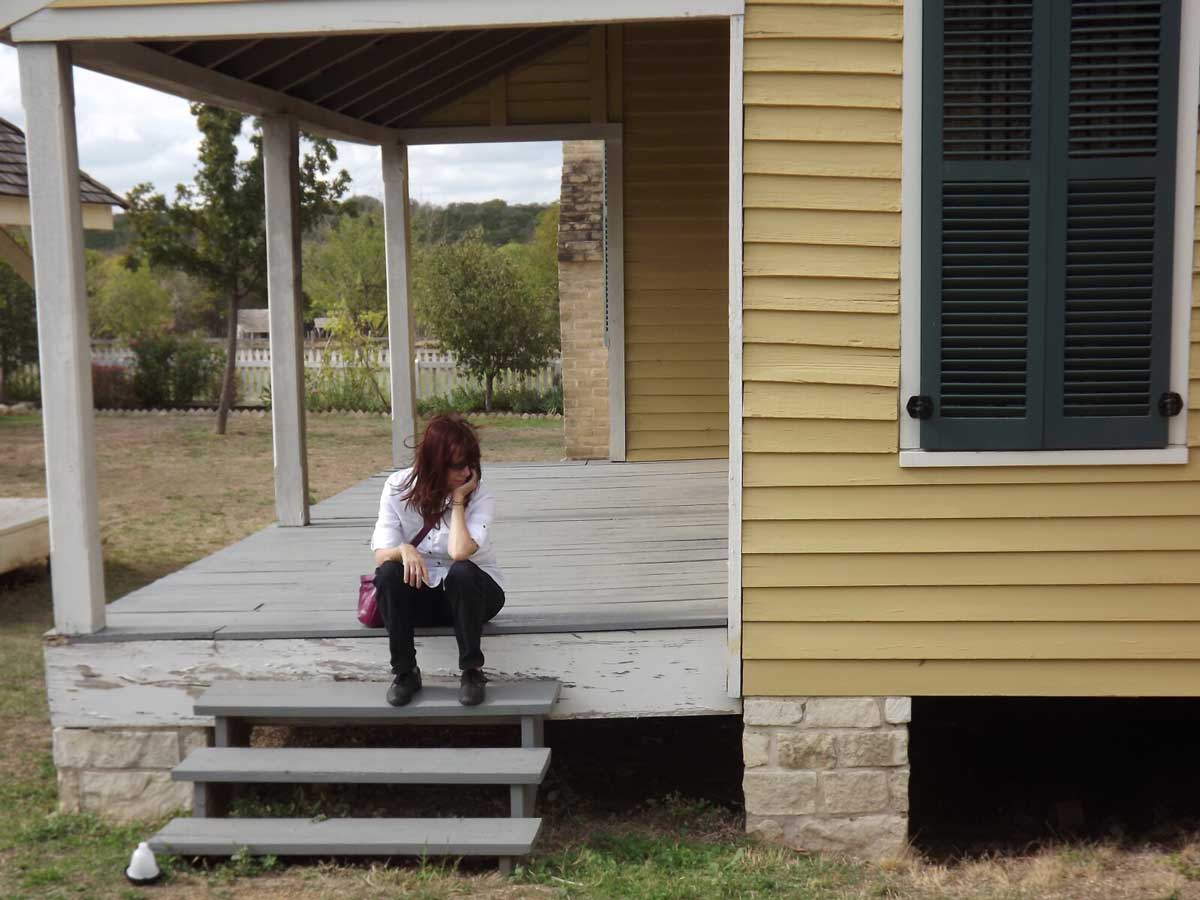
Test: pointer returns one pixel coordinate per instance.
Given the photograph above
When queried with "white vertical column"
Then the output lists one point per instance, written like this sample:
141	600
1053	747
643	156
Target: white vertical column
733	681
614	257
281	178
77	566
397	228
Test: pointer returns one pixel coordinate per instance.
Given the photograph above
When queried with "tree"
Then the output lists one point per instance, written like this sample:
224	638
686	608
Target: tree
126	301
18	325
214	229
347	271
474	301
538	258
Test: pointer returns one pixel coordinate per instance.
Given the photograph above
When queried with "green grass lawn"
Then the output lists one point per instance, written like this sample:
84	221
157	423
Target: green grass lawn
172	491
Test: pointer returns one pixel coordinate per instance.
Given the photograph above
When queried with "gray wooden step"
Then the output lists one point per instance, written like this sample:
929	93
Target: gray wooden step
303	765
358	700
348	837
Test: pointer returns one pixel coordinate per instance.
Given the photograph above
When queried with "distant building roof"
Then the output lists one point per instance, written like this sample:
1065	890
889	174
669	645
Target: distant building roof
255	321
14	176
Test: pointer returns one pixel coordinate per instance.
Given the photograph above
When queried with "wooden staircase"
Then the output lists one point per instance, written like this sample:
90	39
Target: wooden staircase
238	705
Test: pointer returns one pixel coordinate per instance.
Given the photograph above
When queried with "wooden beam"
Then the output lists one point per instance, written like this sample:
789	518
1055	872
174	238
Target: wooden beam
365	67
64	349
397	235
616	72
275	18
281	181
598	64
210	54
16	256
268	55
133	62
389	82
499	100
614	292
314	63
506	58
487	134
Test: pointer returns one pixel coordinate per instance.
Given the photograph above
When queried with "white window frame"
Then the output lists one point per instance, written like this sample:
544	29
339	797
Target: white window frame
1176	451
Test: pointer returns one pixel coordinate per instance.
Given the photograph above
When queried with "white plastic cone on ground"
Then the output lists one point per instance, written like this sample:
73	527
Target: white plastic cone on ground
143	868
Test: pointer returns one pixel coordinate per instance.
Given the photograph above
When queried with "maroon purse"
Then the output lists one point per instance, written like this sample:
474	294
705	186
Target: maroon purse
368	604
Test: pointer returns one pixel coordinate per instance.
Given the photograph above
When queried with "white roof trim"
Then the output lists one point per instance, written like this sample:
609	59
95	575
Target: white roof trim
276	18
13	11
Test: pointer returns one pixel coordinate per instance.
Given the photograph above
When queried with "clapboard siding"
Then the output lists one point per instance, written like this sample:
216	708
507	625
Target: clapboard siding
861	577
675	104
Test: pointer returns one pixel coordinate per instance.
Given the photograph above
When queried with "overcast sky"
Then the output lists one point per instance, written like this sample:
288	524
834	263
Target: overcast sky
129	134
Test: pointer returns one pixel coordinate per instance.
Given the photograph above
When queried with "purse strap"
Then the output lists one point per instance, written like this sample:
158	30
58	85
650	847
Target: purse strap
421	534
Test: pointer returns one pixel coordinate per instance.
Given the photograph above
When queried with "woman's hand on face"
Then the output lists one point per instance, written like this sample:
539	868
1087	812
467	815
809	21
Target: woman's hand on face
462	493
414	567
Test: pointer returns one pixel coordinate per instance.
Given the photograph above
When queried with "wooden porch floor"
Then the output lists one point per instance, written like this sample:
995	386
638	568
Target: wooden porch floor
584	547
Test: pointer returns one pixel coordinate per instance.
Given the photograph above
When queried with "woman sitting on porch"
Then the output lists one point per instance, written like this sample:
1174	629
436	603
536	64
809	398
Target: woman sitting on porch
436	563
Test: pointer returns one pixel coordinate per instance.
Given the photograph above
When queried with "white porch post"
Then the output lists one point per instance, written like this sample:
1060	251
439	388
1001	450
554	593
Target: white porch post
614	259
281	177
396	220
47	92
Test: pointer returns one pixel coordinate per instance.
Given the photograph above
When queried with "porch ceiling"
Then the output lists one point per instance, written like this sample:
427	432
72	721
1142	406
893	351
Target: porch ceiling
384	80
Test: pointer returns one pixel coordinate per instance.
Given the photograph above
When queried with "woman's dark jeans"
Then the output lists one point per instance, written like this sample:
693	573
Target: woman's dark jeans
466	598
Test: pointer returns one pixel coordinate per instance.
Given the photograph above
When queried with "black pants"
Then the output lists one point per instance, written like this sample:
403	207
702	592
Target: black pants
466	598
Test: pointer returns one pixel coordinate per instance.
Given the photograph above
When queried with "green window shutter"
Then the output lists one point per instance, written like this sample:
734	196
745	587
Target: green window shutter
983	173
1112	182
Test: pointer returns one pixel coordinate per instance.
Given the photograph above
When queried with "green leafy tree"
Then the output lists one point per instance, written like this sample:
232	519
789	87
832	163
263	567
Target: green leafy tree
473	299
214	228
498	222
18	325
538	258
126	302
346	272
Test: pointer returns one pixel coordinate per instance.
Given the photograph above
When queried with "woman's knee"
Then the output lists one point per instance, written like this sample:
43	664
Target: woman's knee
389	575
463	570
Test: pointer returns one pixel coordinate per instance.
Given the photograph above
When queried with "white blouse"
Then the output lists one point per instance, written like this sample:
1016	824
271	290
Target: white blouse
400	523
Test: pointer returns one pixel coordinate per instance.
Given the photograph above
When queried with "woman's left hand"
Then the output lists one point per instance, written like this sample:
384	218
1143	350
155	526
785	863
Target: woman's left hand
461	494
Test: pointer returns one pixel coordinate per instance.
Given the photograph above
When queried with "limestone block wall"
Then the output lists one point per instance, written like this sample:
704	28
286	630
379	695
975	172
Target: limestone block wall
124	774
828	773
581	300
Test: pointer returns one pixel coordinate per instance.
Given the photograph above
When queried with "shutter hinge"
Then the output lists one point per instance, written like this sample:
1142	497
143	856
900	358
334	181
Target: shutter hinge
920	406
1170	404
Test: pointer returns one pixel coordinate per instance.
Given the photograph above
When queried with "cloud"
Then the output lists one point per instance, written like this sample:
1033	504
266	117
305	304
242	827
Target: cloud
130	134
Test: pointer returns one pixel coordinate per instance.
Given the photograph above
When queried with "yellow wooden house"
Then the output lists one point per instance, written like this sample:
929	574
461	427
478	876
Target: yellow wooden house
920	270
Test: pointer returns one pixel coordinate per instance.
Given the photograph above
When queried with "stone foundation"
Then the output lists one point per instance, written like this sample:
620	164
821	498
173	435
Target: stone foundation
124	774
828	773
581	301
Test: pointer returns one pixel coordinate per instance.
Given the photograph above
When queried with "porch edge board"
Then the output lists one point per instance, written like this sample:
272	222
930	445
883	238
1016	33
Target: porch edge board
616	674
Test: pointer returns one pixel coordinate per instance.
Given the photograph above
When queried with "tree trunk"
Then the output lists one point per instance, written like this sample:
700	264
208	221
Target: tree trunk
228	381
488	382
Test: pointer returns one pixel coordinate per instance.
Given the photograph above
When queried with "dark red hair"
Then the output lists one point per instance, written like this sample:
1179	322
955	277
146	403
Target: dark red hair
448	438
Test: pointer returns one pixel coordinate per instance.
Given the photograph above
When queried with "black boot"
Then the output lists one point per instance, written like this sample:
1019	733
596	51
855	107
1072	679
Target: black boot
404	688
470	691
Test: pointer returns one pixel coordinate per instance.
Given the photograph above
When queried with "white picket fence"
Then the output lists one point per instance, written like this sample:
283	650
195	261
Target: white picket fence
435	372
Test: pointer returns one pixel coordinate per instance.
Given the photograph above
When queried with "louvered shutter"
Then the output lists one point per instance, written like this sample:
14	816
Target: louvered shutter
1047	195
1113	113
984	168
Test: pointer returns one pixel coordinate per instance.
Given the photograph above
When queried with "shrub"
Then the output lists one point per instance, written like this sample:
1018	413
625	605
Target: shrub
152	370
112	387
170	371
194	368
23	386
349	389
516	400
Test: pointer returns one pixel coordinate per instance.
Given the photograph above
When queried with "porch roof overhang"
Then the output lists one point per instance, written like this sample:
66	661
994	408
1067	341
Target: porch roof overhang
358	70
